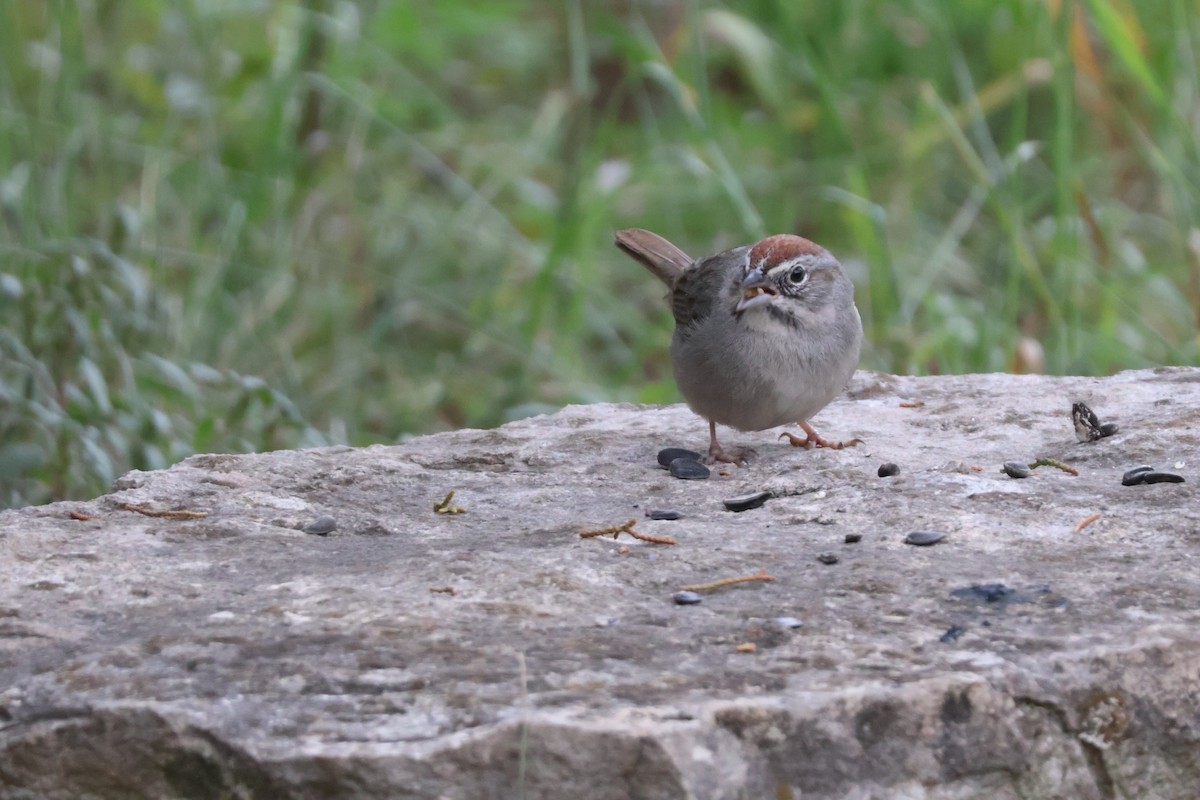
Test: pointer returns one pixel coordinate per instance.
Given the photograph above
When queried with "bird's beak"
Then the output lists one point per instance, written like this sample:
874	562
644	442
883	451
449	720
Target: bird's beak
756	291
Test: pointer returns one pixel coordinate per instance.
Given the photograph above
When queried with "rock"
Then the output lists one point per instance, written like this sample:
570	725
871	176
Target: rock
827	558
688	469
665	514
686	598
669	454
1160	476
747	501
1133	476
321	526
463	656
1015	469
888	470
924	538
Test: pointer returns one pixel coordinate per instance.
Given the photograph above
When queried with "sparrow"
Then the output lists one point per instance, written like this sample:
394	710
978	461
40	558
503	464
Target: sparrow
766	334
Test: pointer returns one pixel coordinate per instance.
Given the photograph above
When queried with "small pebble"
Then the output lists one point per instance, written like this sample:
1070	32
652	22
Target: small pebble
669	454
1158	476
827	558
1109	428
686	598
659	513
787	622
853	538
952	633
888	470
923	538
747	501
688	469
1134	476
1015	469
321	526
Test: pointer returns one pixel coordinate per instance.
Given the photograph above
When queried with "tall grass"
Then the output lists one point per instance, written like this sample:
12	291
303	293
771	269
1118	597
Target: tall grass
230	226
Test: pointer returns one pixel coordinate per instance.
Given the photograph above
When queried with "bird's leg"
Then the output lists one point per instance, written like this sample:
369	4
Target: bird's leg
717	453
814	439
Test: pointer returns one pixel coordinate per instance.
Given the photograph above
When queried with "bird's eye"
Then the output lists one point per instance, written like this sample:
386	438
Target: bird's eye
797	275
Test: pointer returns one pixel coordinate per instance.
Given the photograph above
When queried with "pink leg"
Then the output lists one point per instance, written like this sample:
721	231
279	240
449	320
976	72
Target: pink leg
717	453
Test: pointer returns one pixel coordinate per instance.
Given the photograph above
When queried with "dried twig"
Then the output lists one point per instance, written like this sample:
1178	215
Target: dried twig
645	537
761	575
913	404
444	507
79	515
747	647
160	514
617	530
1083	523
1054	462
450	590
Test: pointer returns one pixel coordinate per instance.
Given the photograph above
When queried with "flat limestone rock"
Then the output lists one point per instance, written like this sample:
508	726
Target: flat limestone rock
495	653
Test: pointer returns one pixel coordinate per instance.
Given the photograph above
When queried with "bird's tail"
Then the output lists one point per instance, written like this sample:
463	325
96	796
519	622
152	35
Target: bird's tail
654	252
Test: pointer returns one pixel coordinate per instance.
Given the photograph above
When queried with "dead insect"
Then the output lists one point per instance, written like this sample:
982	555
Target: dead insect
1088	427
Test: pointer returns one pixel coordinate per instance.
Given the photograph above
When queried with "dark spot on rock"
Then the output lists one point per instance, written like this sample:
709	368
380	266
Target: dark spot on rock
888	470
686	598
663	514
985	592
194	777
876	724
853	538
956	708
952	633
827	558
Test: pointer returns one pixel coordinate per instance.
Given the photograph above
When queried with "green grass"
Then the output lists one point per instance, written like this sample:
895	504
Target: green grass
236	226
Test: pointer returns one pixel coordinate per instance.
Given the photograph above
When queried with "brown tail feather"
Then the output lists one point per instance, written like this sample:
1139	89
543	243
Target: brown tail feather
654	252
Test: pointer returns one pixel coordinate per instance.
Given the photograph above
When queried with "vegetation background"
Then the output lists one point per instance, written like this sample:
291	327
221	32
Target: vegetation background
232	226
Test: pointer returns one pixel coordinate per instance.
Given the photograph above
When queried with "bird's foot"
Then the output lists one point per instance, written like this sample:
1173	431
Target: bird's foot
738	456
813	439
716	453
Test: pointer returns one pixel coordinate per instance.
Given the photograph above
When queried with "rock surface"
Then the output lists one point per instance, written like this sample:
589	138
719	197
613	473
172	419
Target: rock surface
495	653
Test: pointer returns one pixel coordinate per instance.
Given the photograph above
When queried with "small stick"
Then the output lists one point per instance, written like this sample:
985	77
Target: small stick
645	537
706	587
450	590
1083	523
1054	462
444	507
82	517
150	512
615	530
913	404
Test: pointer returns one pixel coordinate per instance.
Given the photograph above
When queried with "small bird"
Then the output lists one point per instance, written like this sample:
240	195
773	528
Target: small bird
766	334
